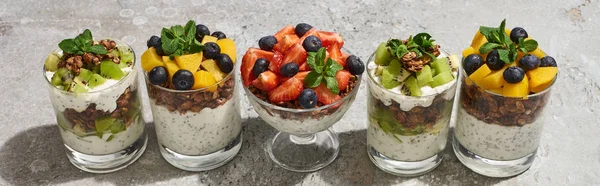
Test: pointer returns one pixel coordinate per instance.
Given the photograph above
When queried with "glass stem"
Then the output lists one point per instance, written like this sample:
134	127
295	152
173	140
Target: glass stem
303	139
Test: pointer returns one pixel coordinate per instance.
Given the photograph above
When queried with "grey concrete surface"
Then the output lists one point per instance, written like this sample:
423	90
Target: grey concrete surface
31	151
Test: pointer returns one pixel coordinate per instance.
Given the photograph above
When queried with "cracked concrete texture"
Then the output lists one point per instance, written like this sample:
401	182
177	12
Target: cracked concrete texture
31	151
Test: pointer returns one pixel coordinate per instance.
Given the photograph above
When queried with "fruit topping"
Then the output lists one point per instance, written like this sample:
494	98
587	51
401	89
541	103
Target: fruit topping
260	66
266	81
111	70
171	67
209	39
228	47
325	95
518	89
224	62
311	44
547	61
218	34
541	78
201	79
301	29
513	74
158	75
267	43
330	38
472	62
211	50
52	61
287	91
493	60
183	79
211	66
296	54
189	62
355	65
424	76
248	63
382	56
529	62
151	59
308	98
518	33
343	78
289	69
154	41
201	31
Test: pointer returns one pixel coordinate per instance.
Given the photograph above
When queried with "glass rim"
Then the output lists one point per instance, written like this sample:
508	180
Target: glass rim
225	79
372	79
463	73
121	81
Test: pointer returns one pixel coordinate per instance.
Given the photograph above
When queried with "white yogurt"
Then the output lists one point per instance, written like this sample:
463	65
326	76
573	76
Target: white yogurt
497	142
199	133
409	148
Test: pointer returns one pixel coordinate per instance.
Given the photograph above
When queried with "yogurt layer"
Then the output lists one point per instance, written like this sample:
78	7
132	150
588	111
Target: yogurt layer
198	133
494	141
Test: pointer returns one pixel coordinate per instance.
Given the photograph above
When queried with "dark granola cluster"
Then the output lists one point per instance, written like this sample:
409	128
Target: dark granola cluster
410	61
86	119
193	101
88	60
294	104
504	111
418	115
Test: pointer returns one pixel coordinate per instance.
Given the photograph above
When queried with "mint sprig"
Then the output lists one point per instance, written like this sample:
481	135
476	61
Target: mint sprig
498	39
322	71
179	40
417	44
81	44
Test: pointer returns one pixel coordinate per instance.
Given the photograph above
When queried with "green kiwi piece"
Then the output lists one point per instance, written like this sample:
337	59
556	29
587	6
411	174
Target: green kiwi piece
413	86
95	80
388	80
52	61
125	54
424	76
440	65
382	56
85	74
441	79
111	70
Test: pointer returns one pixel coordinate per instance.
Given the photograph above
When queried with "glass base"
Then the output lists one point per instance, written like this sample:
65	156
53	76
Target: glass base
489	167
109	162
403	168
202	162
303	153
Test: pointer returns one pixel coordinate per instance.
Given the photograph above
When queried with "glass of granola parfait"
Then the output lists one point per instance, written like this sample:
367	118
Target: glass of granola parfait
505	86
191	86
301	83
93	89
411	91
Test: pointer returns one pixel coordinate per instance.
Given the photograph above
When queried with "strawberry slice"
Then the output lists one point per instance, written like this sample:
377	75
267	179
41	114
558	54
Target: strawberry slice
329	38
287	30
311	32
289	90
343	78
304	67
286	42
248	63
335	53
325	95
266	81
345	56
296	54
299	75
275	62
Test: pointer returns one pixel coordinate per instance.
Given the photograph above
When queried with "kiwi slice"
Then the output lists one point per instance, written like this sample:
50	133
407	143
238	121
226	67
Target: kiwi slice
382	56
125	54
388	80
424	76
96	80
413	86
85	75
440	65
77	86
441	79
111	70
379	70
52	61
62	76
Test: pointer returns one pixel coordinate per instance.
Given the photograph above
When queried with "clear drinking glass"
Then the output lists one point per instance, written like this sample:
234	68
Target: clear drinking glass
304	143
497	136
407	134
80	114
198	129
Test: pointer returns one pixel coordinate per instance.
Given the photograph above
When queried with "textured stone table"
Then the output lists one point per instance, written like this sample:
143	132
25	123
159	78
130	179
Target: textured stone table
31	151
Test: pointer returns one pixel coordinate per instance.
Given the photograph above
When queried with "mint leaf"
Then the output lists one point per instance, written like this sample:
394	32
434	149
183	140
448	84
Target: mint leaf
320	57
501	32
530	45
195	48
487	47
190	31
313	79
486	31
68	46
332	84
332	67
423	40
86	35
397	48
178	30
513	53
97	49
310	60
504	55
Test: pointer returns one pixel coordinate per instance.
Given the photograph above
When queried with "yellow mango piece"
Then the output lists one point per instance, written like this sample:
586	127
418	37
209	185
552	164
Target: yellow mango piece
204	79
189	62
479	74
507	31
151	59
478	40
517	90
208	39
497	90
538	52
228	47
210	65
171	67
541	77
494	80
468	51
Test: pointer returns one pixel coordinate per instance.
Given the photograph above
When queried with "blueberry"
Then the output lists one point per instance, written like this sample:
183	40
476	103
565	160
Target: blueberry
493	60
548	61
312	44
472	62
355	65
183	79
219	35
289	69
224	63
159	50
301	29
201	31
211	50
517	33
513	74
308	98
529	62
153	42
261	65
158	75
267	43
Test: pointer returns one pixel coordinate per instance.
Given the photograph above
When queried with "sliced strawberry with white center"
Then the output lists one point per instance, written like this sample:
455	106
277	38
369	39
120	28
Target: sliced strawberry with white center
329	38
296	54
325	95
289	90
248	63
286	42
266	81
343	78
335	53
